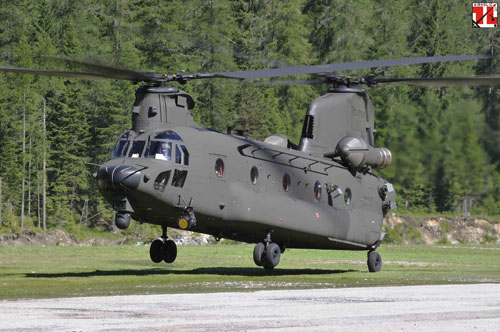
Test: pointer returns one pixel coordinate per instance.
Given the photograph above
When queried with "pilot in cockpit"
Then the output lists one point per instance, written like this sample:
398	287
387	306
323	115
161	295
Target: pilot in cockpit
163	151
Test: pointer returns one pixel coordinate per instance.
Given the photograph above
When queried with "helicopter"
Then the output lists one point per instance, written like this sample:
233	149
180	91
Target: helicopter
321	194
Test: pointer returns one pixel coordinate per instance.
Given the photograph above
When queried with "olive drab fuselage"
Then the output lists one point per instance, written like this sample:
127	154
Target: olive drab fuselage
172	172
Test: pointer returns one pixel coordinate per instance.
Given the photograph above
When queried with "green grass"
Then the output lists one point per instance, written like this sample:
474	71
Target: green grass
45	272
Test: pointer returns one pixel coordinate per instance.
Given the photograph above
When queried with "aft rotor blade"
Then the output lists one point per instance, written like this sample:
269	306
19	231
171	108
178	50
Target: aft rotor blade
328	68
442	82
286	83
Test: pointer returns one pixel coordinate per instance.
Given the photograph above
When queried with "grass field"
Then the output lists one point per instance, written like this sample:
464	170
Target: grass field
46	272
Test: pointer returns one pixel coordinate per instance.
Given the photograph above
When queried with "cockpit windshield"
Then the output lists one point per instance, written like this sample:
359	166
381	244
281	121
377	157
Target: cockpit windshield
136	150
120	149
168	134
160	145
121	146
159	150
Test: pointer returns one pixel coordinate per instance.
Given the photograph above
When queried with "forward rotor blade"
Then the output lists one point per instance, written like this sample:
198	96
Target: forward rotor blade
443	82
110	72
63	73
98	71
328	68
113	72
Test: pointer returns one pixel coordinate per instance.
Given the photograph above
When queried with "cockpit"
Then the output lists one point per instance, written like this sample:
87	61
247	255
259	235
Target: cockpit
163	145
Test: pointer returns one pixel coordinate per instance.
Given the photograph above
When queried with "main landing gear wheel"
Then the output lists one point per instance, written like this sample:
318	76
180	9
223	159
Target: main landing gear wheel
273	254
267	253
259	254
374	261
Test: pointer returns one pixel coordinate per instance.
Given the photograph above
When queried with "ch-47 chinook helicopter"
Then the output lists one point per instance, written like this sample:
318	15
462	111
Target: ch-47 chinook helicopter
322	194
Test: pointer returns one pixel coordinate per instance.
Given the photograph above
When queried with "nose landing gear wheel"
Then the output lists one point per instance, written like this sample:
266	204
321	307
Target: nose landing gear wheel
155	250
162	249
374	261
169	251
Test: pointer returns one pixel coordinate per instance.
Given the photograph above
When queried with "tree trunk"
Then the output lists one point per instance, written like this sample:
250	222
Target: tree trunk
29	182
44	173
38	214
23	155
0	201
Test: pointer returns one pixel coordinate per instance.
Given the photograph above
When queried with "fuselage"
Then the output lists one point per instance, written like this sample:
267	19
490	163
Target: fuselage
241	189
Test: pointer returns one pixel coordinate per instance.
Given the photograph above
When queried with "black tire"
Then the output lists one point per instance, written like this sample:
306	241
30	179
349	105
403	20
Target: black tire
268	267
259	254
374	262
169	251
273	254
155	251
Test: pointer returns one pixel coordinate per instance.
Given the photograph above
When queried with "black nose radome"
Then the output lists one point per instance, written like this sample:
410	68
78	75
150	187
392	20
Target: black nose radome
118	178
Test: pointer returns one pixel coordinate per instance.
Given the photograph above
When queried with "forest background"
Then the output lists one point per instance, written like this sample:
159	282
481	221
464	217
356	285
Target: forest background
445	142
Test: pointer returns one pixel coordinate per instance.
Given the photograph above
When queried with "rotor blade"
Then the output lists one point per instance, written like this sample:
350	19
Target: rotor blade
113	72
284	83
203	45
443	81
317	69
75	74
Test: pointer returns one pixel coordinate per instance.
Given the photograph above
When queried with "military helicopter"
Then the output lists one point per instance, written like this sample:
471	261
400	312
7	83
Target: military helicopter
322	194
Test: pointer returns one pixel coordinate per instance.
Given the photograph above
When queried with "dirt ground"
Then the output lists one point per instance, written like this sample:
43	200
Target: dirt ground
406	308
429	230
440	230
53	238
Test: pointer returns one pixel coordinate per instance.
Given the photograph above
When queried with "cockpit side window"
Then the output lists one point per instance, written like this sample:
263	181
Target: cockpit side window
181	155
186	154
159	150
179	178
178	155
161	181
136	150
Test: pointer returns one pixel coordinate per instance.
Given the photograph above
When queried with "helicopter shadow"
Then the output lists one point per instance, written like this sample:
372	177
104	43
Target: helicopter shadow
221	271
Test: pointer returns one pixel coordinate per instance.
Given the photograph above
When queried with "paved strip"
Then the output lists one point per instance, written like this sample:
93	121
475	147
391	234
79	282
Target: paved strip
406	308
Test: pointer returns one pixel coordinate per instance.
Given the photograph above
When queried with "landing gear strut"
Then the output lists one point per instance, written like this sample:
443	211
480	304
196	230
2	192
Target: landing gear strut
267	253
162	249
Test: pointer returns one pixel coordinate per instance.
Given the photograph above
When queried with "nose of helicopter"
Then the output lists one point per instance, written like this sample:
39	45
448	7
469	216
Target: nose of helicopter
118	178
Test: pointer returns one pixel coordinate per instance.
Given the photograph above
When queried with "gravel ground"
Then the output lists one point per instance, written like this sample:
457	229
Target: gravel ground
406	308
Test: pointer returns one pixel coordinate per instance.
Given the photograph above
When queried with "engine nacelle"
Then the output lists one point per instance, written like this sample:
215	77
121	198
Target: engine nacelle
357	154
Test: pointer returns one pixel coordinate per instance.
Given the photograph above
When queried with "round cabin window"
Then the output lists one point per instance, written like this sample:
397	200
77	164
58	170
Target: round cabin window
219	167
254	175
286	182
347	196
317	190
